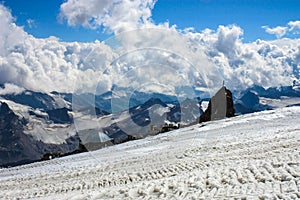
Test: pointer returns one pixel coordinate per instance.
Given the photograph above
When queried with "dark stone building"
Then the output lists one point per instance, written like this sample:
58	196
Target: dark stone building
220	106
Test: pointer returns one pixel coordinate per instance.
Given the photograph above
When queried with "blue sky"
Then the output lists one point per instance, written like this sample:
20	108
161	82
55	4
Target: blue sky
200	14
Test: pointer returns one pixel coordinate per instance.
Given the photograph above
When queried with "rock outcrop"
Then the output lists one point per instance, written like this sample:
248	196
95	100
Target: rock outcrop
220	106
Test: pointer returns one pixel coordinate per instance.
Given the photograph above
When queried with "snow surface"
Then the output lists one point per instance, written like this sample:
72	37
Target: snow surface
204	105
60	101
279	103
253	156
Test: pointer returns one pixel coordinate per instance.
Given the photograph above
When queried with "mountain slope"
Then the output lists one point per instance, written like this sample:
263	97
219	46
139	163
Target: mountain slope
18	146
249	156
257	98
44	123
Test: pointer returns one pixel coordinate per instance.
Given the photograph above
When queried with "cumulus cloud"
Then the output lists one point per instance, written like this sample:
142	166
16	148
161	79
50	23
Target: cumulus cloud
265	63
292	27
228	39
156	54
279	31
115	15
48	64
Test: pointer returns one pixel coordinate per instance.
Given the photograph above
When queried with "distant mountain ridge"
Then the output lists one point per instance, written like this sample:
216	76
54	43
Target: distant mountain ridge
33	124
252	99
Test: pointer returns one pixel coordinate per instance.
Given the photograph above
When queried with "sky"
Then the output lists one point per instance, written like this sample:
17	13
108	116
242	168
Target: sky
41	18
148	45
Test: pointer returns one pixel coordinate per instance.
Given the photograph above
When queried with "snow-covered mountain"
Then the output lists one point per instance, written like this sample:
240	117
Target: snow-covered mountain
137	122
36	123
253	156
45	122
27	134
258	98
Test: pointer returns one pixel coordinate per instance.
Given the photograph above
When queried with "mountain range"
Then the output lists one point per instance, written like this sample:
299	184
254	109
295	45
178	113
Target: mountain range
35	124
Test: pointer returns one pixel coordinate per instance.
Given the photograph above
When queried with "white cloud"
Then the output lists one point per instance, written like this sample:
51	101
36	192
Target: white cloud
228	39
31	23
48	64
266	63
115	15
279	31
160	54
11	89
292	27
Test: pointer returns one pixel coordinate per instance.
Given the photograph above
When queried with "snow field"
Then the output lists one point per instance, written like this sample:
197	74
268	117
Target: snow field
255	156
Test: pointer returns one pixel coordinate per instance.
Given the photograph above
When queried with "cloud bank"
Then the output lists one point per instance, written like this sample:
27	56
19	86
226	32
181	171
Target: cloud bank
148	54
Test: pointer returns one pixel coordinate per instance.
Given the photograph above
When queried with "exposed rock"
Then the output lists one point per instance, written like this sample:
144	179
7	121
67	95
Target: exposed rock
248	103
60	116
33	99
220	106
17	147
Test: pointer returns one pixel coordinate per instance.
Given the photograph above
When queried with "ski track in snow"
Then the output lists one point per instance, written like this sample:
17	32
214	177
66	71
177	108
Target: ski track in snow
254	156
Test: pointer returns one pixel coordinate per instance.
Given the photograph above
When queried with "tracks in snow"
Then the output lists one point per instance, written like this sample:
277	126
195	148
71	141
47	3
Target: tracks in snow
257	167
239	170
